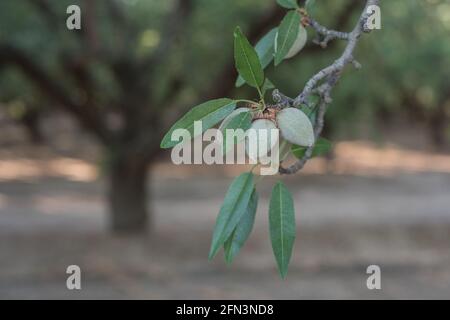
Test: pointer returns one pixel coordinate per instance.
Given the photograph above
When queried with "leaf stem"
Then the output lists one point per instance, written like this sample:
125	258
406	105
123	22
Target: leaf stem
248	101
261	97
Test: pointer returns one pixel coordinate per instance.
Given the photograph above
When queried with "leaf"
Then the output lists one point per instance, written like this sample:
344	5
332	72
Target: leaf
267	86
322	146
247	61
210	113
242	121
313	100
231	116
311	113
288	4
265	48
282	226
309	6
265	51
242	231
311	108
287	34
233	208
299	43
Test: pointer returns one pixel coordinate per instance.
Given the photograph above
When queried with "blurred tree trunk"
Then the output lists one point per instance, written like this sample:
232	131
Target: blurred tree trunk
128	194
30	120
437	126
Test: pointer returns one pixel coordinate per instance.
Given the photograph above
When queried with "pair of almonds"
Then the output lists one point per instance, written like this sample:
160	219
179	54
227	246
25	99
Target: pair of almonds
294	126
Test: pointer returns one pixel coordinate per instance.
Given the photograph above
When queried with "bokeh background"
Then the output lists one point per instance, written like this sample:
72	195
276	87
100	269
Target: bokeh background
83	181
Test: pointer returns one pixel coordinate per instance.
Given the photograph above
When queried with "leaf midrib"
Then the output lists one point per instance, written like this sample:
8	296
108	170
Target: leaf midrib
207	115
247	60
281	227
234	207
220	238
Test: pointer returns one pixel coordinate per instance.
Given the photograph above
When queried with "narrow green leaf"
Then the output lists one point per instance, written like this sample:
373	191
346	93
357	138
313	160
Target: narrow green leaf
288	4
242	121
242	231
265	51
265	48
322	146
312	114
210	113
313	100
287	34
311	108
247	61
233	208
282	226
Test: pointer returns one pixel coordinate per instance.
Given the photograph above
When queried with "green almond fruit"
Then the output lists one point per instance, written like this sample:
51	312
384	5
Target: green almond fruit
262	128
295	127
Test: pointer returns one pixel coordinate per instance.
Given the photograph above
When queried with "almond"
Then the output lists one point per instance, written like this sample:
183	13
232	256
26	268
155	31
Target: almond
295	127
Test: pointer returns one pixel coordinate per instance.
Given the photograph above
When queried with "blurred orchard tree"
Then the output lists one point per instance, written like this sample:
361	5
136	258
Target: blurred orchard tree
136	65
123	75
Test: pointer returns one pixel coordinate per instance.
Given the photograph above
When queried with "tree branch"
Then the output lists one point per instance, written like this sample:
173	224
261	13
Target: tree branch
327	34
330	75
87	116
341	22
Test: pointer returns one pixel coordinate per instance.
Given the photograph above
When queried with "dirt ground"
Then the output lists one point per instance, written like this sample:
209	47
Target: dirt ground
399	221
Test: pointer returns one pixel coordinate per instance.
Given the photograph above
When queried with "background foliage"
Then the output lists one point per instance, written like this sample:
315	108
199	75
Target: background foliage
408	60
